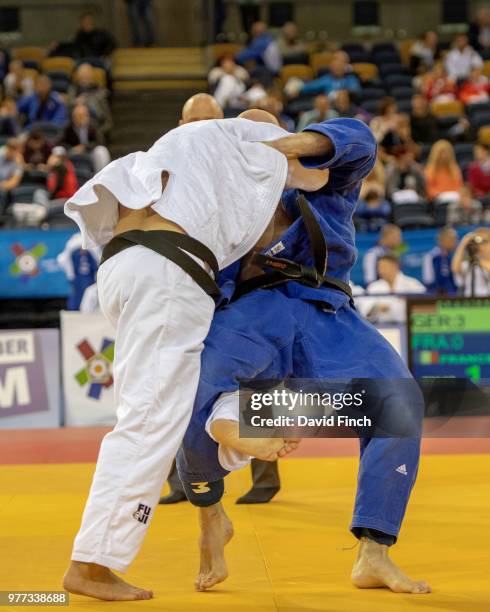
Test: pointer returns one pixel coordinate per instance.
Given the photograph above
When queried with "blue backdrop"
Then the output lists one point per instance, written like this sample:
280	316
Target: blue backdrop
416	244
28	266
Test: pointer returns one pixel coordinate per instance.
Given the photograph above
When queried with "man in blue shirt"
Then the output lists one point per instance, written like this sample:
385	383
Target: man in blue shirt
390	240
436	268
296	331
262	49
337	78
43	105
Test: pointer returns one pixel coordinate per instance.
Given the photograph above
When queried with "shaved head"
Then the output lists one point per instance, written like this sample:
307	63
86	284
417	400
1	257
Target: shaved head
200	107
256	114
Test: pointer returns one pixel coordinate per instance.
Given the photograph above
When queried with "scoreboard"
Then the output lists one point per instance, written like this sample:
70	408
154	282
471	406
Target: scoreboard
449	337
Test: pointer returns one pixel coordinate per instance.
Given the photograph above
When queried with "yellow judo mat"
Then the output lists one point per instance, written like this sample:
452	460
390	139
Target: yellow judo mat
290	555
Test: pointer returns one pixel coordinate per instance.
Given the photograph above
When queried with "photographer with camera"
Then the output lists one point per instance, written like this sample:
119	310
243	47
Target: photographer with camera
471	264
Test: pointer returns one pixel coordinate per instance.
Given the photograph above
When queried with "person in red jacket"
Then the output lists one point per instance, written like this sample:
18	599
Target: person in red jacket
61	182
479	172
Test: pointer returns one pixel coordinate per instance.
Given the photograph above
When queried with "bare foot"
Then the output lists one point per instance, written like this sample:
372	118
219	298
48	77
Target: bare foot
97	581
216	532
374	569
227	433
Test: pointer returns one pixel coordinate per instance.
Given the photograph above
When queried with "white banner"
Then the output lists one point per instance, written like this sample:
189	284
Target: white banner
88	352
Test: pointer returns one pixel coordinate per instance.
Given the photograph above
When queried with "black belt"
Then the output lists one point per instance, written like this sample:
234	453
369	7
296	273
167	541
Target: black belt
284	270
173	246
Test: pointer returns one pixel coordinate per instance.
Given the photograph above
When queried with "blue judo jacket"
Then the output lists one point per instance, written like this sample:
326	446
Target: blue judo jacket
353	158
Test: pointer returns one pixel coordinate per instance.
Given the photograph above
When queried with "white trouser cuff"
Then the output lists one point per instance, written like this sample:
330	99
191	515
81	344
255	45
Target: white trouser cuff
227	408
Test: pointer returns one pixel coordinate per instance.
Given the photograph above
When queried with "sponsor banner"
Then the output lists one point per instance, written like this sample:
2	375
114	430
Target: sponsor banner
88	353
29	378
28	266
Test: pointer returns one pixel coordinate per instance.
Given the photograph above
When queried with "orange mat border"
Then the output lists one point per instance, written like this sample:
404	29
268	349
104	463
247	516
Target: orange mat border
81	445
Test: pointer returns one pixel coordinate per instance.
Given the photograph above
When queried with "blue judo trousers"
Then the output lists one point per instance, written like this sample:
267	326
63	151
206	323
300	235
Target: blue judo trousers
296	331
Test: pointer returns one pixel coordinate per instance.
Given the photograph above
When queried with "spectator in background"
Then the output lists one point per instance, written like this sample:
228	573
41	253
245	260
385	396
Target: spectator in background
471	264
82	137
465	210
437	85
344	107
423	123
387	119
80	267
91	41
479	30
372	212
436	266
391	282
11	170
141	18
9	123
475	88
424	51
404	180
389	242
442	174
228	80
479	171
321	112
462	59
262	49
85	90
273	104
374	181
61	182
337	78
37	151
43	105
289	42
16	83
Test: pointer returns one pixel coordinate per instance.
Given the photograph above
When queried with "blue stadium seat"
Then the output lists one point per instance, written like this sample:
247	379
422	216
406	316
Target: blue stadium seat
402	93
398	80
82	161
60	85
371	106
479	119
34	177
372	93
386	57
392	68
463	151
477	107
352	47
425	152
440	213
404	106
23	193
83	175
382	46
412	216
358	57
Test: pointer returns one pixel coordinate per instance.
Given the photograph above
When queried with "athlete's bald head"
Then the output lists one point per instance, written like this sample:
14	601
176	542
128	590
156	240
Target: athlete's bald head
200	107
256	114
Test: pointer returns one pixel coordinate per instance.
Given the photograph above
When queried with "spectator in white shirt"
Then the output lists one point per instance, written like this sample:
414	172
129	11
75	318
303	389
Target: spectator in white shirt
229	81
391	283
462	59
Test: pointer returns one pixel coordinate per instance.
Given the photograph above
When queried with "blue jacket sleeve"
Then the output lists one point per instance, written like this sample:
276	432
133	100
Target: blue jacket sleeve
254	51
60	116
354	152
318	86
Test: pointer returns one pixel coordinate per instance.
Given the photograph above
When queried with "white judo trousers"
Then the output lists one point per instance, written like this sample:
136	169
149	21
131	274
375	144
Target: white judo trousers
161	318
